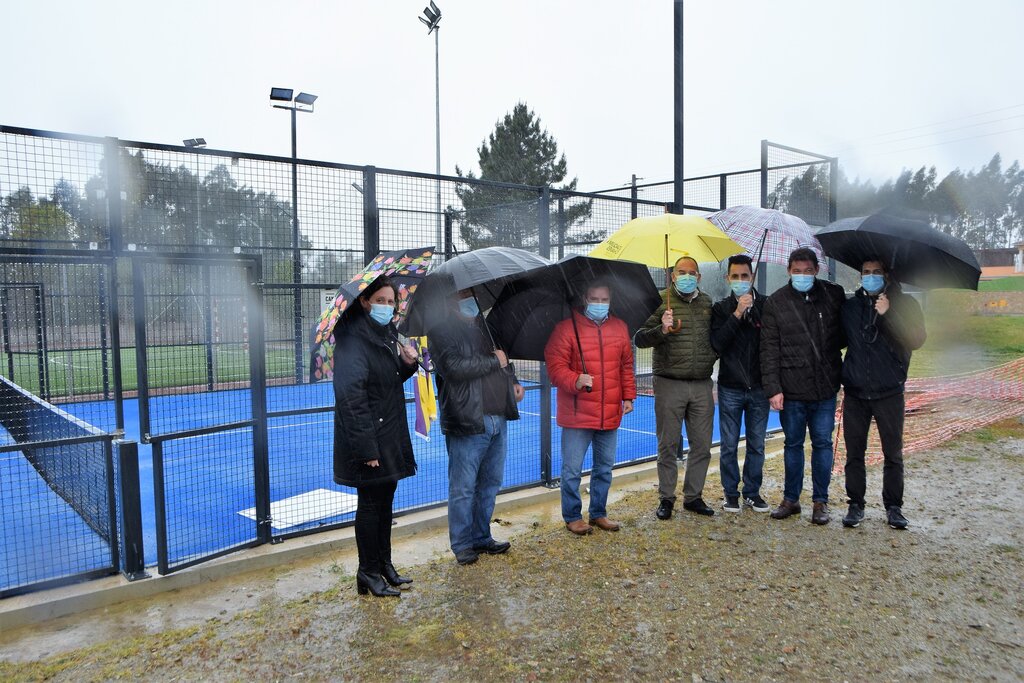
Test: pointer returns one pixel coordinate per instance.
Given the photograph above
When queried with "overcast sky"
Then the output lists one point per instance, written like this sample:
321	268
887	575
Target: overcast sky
882	84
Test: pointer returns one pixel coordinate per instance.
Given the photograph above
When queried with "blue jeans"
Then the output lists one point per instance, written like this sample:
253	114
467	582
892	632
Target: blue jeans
476	465
575	443
796	418
734	404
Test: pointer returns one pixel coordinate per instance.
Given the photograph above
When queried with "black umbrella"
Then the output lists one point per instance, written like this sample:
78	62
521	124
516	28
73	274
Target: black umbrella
484	271
912	250
528	309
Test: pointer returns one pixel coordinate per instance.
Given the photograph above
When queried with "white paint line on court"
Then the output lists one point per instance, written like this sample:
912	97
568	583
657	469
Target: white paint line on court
306	507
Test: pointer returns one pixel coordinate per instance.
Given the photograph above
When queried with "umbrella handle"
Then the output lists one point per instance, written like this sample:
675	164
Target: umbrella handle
677	324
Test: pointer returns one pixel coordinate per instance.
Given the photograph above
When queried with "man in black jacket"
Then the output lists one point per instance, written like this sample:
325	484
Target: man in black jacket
883	326
736	338
478	392
801	360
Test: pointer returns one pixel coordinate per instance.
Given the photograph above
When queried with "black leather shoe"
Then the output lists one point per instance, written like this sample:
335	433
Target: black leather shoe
698	506
493	547
374	583
392	576
665	509
467	556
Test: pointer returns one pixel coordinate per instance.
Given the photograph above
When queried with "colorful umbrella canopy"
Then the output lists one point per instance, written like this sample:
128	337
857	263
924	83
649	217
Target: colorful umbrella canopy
911	249
768	235
660	241
405	268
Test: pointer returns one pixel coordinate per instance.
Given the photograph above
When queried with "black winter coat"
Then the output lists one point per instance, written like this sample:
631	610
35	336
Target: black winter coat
463	356
802	341
879	346
370	421
738	343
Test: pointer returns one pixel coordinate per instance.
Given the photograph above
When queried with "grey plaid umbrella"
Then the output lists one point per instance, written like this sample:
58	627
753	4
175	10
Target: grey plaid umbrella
767	235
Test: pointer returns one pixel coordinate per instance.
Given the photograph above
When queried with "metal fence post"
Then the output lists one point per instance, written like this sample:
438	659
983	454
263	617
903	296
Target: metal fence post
208	314
723	192
133	557
561	226
833	214
633	197
449	236
141	361
371	216
258	393
762	274
544	248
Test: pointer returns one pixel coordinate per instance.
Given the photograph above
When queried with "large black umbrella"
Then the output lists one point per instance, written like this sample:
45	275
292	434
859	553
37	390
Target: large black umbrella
912	250
528	309
484	271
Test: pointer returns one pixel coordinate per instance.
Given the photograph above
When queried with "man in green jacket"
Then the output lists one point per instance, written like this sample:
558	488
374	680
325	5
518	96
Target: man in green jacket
680	334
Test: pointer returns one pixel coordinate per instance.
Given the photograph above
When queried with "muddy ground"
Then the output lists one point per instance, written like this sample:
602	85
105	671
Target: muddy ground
734	597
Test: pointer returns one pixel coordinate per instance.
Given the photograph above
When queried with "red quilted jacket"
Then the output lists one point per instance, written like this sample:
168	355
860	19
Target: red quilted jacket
608	353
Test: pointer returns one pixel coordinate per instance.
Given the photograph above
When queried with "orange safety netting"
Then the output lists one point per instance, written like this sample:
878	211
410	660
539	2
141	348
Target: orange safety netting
939	408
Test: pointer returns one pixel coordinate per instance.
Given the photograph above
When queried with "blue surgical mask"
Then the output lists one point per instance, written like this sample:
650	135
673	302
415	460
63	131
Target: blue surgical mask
739	287
597	312
686	284
802	283
468	307
382	313
872	284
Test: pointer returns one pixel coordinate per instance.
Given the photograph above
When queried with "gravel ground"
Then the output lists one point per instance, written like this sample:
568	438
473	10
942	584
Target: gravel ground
734	597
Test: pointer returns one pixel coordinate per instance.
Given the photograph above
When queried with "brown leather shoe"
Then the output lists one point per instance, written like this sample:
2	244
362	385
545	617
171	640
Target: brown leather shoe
579	527
605	524
820	514
786	508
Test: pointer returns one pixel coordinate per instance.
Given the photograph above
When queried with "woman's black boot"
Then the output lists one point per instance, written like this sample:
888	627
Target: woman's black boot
392	576
374	583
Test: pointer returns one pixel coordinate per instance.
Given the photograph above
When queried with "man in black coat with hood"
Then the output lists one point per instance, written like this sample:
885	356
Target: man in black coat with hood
883	326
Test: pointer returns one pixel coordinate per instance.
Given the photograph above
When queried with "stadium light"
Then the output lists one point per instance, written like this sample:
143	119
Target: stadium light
194	142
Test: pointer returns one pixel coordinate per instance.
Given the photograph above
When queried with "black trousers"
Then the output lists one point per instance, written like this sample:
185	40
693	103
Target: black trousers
373	526
888	414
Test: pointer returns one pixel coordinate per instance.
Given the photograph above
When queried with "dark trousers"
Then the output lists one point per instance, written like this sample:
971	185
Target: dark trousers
373	526
888	414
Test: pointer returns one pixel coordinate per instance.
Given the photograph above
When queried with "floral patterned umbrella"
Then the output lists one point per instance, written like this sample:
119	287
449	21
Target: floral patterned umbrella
405	268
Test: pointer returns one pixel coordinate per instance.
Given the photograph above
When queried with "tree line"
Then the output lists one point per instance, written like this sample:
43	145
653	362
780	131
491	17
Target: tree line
983	207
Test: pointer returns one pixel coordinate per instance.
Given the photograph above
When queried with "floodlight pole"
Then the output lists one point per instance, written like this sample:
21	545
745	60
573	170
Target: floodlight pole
296	254
678	147
437	125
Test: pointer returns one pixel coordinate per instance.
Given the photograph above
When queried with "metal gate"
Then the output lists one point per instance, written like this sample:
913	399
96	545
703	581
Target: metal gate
57	474
202	404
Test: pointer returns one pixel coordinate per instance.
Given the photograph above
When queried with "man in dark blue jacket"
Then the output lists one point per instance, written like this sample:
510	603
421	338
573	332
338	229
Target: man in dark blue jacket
736	338
883	325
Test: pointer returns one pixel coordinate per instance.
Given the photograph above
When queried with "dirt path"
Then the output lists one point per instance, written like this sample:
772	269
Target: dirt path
734	597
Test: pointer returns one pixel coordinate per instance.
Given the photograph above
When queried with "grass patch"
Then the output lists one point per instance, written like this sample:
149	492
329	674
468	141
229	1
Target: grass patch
964	343
1003	284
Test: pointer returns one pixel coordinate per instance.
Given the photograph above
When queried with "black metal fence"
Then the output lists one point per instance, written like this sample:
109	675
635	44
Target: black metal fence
164	297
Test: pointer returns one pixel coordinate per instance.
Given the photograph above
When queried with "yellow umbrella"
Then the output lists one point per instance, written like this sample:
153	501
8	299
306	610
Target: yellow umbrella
660	241
654	240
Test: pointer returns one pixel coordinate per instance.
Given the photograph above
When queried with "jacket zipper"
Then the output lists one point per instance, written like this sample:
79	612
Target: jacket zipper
600	351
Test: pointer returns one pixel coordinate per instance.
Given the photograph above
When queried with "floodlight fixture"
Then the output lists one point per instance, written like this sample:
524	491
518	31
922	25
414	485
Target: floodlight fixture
431	17
305	98
194	142
281	94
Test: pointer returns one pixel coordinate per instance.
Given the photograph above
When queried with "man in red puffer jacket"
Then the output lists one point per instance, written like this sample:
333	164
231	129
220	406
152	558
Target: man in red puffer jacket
594	392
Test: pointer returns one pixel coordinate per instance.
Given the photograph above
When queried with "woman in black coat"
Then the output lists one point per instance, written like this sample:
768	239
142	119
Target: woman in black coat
372	449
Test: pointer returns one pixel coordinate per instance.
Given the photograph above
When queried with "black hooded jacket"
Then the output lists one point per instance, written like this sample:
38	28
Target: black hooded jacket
879	346
737	342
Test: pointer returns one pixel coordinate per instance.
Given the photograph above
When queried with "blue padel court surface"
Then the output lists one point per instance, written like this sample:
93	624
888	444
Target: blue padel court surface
208	479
